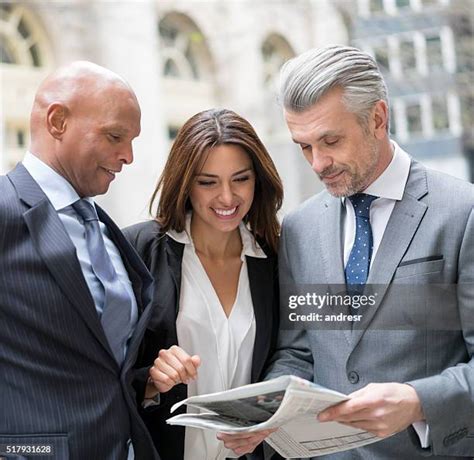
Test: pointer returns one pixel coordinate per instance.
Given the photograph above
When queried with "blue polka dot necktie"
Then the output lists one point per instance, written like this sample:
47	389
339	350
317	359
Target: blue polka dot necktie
358	265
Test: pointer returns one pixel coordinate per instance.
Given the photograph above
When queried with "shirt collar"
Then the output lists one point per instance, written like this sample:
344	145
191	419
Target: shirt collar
250	247
59	191
391	183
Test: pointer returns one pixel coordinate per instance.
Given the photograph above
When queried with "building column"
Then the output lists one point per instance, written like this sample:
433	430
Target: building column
131	29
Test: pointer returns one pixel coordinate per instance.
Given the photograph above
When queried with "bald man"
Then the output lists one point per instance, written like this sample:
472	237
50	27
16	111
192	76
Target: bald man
74	295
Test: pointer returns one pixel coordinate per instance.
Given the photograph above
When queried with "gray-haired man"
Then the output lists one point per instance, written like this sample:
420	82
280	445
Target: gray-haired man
383	220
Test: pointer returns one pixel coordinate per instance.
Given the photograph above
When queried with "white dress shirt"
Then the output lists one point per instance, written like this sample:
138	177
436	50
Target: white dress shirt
389	187
224	344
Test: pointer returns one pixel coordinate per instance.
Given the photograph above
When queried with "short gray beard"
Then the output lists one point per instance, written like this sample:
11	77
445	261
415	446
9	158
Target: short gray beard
360	183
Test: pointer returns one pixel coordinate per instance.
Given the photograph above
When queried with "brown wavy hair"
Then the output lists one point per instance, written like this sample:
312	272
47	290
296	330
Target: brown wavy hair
198	135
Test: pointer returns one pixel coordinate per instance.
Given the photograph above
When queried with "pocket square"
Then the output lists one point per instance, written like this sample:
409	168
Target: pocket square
422	259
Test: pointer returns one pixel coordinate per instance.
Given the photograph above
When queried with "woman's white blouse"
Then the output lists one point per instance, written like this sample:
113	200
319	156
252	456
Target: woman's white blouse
225	345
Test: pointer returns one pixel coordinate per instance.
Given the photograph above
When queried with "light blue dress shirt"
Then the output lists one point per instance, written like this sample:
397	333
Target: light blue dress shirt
62	195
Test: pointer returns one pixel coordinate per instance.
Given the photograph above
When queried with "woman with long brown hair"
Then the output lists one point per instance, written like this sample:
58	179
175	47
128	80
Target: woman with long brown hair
212	251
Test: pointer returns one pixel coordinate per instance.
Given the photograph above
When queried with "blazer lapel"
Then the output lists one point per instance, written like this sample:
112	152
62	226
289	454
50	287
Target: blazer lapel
174	257
401	228
331	249
142	284
56	249
139	275
329	230
162	309
261	274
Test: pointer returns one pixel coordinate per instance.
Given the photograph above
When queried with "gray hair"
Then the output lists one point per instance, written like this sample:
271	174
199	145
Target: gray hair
308	77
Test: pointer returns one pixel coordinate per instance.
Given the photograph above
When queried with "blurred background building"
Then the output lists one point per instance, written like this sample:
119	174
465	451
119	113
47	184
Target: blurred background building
184	56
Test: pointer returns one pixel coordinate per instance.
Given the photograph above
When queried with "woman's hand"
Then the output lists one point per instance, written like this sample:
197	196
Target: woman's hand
173	366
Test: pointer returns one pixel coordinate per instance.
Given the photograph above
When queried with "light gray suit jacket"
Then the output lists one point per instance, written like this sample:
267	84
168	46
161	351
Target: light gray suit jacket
429	239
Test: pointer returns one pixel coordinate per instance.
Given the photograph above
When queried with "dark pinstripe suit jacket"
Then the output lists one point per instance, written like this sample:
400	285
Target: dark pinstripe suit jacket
59	382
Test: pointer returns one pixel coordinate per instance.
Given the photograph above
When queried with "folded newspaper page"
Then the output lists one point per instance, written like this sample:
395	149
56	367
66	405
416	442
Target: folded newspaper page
288	403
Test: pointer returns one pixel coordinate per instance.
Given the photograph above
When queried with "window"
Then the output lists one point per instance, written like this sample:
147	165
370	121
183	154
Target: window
440	113
402	3
381	56
275	52
393	126
413	113
427	3
172	132
184	50
463	27
188	83
407	56
21	39
467	112
16	136
171	69
20	138
25	59
16	141
433	53
6	55
376	6
5	10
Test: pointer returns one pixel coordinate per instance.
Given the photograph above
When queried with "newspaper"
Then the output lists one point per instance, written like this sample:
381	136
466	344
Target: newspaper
288	403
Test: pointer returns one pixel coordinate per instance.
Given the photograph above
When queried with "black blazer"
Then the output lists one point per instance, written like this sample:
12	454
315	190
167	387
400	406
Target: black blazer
163	257
59	381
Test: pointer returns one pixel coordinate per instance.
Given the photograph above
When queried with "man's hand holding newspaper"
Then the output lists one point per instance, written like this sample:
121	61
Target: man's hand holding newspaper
382	409
283	412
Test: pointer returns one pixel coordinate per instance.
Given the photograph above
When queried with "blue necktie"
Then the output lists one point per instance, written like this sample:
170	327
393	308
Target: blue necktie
115	317
358	265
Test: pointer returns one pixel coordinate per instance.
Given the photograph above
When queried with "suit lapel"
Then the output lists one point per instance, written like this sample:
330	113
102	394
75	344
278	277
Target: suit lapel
329	227
142	284
162	309
260	274
174	258
401	228
331	249
56	249
137	271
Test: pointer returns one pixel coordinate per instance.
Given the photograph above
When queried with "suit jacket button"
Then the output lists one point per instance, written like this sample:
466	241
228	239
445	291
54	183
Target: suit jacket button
353	377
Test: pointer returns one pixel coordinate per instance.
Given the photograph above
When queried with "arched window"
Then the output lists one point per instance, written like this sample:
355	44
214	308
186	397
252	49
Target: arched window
187	68
184	50
275	51
22	40
25	59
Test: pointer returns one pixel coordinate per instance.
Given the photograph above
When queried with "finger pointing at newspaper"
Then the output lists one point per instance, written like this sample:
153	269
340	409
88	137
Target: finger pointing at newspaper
380	408
173	366
244	443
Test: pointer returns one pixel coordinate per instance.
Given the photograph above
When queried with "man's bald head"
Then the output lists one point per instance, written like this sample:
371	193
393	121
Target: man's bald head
85	116
72	84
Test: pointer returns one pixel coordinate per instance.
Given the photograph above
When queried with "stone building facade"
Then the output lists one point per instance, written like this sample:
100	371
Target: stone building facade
181	57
